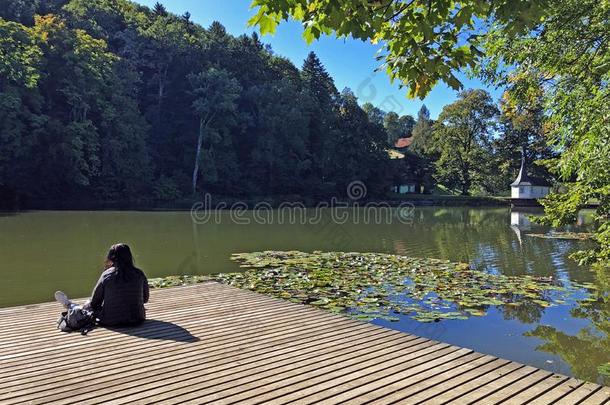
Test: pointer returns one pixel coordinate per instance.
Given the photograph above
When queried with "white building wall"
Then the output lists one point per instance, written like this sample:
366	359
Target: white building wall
529	191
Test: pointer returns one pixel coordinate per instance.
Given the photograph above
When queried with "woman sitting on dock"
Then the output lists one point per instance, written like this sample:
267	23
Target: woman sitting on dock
120	294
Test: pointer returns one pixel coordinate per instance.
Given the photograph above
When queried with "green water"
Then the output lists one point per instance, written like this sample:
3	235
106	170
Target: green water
41	252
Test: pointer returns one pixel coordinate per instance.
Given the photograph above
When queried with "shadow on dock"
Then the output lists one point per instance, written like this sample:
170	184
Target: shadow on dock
159	330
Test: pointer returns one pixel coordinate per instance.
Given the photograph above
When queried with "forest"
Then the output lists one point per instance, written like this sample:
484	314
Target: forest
108	100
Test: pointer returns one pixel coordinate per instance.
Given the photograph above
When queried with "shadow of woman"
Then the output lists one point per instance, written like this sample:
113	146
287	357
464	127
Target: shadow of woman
158	330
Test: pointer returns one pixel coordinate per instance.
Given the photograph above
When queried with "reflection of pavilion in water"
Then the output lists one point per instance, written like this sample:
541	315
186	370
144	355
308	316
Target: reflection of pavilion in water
520	221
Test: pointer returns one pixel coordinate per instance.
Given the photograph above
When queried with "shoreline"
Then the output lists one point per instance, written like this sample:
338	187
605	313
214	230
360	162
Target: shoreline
225	203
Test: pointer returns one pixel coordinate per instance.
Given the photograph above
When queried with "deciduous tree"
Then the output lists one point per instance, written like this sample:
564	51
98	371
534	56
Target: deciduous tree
462	135
215	92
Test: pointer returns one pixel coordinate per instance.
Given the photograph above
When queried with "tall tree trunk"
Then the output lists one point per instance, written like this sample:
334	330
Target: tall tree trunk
466	186
198	154
162	78
466	181
464	189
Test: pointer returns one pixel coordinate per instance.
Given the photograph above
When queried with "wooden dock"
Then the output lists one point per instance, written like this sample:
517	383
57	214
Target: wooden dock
212	343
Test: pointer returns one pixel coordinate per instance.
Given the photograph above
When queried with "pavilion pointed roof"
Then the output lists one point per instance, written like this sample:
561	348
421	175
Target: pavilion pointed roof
523	178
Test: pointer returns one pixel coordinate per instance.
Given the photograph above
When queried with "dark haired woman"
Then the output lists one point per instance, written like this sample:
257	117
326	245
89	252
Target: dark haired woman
120	294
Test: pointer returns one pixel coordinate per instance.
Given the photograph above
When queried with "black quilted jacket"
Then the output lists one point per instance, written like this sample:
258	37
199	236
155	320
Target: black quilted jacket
119	297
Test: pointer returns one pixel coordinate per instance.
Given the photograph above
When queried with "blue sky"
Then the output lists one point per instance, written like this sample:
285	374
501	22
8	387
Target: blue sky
350	62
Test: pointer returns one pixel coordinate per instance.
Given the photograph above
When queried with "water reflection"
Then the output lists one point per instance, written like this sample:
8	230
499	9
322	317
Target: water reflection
519	223
586	350
45	251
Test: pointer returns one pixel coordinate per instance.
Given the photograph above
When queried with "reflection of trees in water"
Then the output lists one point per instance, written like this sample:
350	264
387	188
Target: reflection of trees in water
526	312
584	352
485	239
590	347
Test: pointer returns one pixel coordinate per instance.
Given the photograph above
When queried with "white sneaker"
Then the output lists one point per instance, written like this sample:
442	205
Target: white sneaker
62	298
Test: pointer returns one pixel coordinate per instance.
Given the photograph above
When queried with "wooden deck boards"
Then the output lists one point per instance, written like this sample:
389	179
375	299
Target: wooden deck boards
212	343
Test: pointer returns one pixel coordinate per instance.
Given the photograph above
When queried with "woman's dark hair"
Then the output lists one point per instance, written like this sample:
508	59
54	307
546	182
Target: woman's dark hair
121	257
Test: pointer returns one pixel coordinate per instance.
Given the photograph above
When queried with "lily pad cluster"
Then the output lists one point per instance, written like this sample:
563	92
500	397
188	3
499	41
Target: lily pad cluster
176	281
373	285
563	235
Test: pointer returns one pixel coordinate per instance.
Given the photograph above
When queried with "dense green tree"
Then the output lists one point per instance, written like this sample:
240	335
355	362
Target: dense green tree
392	127
422	133
112	91
68	115
21	11
80	115
214	92
167	44
398	126
20	59
359	150
421	170
374	114
159	9
321	109
462	136
567	55
521	127
406	125
20	55
317	80
280	157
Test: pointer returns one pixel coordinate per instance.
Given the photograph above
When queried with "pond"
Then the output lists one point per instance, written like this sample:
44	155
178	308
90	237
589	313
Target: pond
42	251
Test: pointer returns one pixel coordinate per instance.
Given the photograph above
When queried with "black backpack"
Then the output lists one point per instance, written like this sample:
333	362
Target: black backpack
76	319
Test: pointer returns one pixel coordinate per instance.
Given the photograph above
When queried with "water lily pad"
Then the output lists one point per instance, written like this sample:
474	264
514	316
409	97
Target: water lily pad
175	281
373	285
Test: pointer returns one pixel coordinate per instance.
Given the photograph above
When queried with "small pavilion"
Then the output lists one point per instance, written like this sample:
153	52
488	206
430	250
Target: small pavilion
526	187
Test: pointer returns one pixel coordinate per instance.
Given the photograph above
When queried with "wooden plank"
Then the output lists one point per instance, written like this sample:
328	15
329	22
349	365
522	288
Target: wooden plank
255	339
301	388
179	306
579	394
475	384
179	302
208	287
496	385
49	330
75	341
214	343
513	389
443	382
536	390
557	392
371	392
118	380
49	336
221	313
253	328
253	389
599	397
187	378
272	332
181	359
